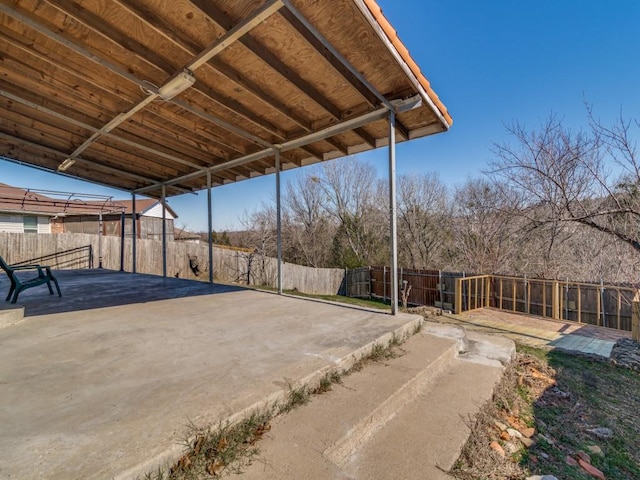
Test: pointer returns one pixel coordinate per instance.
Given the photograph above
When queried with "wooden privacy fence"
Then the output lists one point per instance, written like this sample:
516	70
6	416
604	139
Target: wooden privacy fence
428	287
229	265
610	306
595	304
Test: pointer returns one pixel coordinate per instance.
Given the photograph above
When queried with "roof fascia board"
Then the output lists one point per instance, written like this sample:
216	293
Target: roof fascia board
401	62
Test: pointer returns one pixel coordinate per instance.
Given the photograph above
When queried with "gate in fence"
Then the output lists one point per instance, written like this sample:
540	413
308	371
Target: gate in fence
428	287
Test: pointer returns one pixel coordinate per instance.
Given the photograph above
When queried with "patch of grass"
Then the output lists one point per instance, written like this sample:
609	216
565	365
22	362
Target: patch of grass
562	396
360	302
326	382
296	397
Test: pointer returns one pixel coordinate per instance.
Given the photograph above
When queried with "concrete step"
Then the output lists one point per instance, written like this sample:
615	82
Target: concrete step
401	419
10	313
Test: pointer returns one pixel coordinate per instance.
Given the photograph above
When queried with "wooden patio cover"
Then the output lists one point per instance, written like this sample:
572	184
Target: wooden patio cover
80	84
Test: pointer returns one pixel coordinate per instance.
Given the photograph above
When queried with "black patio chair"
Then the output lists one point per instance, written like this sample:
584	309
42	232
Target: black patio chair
19	284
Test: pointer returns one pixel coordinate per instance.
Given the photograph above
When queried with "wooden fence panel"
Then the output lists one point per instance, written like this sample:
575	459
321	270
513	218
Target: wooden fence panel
228	265
358	283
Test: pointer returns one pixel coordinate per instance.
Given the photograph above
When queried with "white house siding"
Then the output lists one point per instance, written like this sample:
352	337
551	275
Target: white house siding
44	226
11	224
15	224
156	212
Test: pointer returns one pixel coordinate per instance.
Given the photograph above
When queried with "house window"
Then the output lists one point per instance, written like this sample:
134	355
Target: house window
30	224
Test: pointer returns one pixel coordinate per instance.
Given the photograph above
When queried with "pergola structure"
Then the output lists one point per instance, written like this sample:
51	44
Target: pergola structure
161	98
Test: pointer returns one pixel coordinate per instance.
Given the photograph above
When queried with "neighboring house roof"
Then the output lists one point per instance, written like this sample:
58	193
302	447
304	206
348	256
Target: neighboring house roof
23	201
17	200
144	205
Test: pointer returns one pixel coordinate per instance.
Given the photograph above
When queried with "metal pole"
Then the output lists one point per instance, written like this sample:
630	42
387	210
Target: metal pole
210	231
393	213
122	233
134	233
278	221
164	232
100	239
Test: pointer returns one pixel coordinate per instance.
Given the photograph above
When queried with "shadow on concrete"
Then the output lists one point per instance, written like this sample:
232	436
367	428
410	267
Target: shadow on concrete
98	288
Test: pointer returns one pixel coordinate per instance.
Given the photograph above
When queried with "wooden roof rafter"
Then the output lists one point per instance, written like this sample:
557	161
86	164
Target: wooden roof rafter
267	80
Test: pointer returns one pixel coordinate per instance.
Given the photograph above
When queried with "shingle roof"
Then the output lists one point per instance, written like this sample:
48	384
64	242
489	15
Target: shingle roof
26	201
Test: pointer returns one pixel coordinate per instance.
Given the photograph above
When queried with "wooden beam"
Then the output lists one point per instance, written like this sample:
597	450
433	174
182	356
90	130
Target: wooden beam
104	63
19	142
221	18
336	144
158	62
184	42
369	139
321	47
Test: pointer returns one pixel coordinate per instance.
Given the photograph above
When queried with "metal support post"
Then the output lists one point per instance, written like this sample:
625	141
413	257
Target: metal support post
279	221
393	213
134	233
122	237
210	224
100	239
164	232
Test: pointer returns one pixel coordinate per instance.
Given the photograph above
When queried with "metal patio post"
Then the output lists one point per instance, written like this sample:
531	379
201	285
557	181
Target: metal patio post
278	221
100	239
123	219
164	232
210	230
392	213
134	233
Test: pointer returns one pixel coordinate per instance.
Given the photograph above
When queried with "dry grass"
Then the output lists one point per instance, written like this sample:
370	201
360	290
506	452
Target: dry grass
562	396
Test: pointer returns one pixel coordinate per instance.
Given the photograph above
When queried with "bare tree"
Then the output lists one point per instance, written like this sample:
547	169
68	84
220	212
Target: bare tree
349	186
259	234
485	228
589	177
424	215
309	228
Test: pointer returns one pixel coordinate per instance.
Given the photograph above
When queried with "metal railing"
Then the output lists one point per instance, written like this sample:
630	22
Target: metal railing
73	258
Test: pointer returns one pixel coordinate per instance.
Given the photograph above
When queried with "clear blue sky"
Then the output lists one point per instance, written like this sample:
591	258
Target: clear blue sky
491	63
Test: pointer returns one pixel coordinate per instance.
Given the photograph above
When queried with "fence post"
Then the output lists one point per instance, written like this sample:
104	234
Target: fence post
635	317
488	297
555	300
566	300
346	280
384	284
579	302
601	304
526	295
459	295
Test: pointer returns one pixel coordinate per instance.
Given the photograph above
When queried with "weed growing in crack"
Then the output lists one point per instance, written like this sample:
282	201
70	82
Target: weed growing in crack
296	397
229	448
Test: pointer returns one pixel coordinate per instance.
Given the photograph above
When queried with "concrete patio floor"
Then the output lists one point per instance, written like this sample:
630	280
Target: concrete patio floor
103	382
